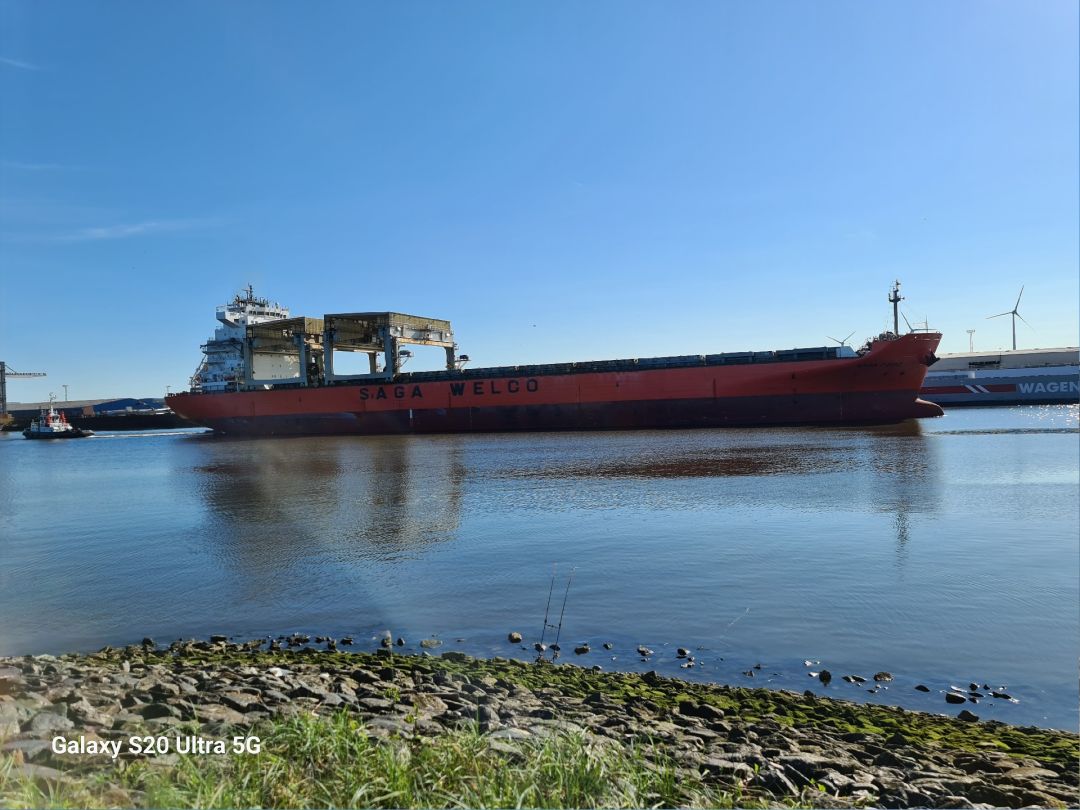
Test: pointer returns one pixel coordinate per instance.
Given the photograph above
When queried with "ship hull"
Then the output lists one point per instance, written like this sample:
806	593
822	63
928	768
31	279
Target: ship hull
880	386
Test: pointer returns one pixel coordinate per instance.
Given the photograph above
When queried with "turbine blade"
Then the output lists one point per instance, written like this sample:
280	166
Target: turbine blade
1019	297
1021	317
988	317
847	338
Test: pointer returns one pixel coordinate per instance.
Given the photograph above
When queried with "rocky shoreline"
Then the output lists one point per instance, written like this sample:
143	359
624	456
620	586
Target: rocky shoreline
768	745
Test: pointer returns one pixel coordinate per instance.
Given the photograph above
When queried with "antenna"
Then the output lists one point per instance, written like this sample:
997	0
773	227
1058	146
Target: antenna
971	340
895	298
1015	314
840	342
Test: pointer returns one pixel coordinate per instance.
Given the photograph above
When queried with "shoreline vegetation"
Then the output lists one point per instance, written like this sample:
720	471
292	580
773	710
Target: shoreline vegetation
305	727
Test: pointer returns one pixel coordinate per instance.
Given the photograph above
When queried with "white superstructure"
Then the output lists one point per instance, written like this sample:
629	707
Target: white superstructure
223	361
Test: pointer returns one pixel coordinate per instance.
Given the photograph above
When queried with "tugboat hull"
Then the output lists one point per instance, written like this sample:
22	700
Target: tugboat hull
74	433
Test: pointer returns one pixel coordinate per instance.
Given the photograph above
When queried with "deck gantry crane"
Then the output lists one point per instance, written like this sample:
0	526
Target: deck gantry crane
5	372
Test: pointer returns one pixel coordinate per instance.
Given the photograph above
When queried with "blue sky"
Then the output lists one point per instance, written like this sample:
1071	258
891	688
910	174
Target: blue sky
564	181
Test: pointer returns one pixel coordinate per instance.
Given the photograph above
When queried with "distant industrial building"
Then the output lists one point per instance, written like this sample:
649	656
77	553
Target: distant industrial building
88	407
127	413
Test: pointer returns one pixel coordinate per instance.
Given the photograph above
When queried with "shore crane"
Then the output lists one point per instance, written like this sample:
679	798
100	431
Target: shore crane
5	372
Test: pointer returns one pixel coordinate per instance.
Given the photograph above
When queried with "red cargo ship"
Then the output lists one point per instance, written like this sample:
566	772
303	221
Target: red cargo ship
303	395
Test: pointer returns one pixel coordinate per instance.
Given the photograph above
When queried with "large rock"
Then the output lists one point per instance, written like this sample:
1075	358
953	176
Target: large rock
985	793
427	705
488	717
29	750
1028	773
510	734
11	681
48	722
240	701
164	689
892	759
216	713
88	715
42	776
11	717
728	769
812	765
151	710
305	691
389	726
703	710
774	781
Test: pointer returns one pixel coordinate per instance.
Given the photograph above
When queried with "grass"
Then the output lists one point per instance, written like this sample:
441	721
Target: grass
331	762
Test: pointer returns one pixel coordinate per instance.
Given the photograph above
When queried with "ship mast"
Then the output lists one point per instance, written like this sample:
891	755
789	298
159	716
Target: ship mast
895	298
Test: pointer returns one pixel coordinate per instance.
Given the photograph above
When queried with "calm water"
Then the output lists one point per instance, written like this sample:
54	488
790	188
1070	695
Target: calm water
944	551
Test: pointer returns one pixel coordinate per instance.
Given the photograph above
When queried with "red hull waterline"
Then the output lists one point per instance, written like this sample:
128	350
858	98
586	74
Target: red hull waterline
879	386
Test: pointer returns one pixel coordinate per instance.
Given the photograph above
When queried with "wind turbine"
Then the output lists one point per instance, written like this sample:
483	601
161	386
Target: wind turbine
840	342
1015	314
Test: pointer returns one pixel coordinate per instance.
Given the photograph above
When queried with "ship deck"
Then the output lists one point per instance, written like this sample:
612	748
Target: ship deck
817	353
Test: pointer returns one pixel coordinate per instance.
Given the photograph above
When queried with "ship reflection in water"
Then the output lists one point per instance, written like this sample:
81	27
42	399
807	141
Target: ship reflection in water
939	550
386	498
291	511
340	525
373	499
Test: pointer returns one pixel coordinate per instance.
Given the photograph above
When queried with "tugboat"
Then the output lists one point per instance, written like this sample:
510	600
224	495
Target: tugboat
54	425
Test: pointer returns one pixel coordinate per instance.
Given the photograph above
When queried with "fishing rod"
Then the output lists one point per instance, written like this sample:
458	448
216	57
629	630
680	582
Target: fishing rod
547	610
566	596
